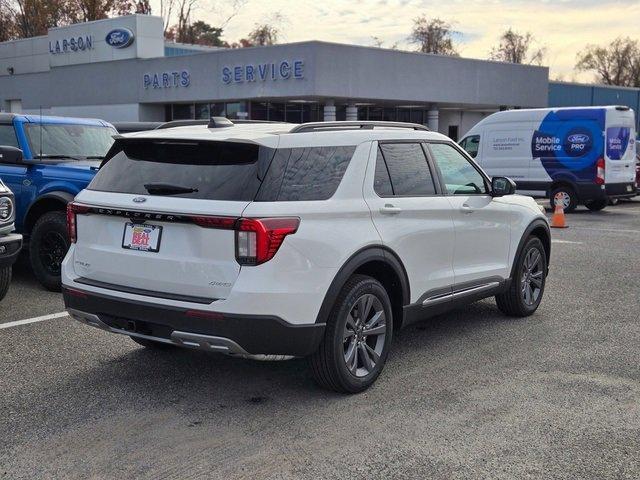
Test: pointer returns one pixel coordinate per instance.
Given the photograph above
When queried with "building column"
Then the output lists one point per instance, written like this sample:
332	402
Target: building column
432	118
329	111
352	113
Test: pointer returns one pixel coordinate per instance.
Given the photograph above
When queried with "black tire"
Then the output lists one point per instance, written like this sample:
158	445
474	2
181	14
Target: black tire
513	302
152	343
569	192
5	281
48	245
329	364
597	205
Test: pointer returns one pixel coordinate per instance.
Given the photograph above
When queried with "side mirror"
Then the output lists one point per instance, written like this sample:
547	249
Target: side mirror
501	186
10	154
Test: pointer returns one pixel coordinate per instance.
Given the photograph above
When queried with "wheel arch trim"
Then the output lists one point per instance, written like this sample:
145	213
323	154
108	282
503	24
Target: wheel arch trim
537	224
363	256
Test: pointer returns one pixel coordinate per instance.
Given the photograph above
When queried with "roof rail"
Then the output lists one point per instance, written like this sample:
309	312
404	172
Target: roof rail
350	125
181	123
219	122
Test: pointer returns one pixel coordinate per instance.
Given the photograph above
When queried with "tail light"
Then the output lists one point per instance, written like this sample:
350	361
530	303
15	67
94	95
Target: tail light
258	239
73	209
600	171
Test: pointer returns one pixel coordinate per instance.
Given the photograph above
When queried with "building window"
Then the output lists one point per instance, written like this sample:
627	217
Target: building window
276	112
217	110
453	132
183	111
202	111
237	110
260	110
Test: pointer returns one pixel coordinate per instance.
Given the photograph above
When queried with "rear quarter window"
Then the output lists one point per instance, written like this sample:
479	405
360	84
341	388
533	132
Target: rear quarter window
298	174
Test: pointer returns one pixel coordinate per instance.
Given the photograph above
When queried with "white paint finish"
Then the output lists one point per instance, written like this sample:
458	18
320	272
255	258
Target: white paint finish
421	224
294	283
110	113
27	321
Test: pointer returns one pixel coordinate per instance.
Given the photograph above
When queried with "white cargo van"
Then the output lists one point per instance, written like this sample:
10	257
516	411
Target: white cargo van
585	154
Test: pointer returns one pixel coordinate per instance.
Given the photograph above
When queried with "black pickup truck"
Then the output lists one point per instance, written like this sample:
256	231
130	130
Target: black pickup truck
10	243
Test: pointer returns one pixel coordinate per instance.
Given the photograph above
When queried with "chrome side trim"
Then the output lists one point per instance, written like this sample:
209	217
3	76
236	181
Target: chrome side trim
460	293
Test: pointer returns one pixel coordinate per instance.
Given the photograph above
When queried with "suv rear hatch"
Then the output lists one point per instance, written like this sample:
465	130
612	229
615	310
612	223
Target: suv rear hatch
158	218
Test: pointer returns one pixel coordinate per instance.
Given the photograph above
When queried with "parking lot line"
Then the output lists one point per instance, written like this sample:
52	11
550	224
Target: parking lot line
608	230
566	241
33	320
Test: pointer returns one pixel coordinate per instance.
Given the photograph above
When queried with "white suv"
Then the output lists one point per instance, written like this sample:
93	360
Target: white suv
316	240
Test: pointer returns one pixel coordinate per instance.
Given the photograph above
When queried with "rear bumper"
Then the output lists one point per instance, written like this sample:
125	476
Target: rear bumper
591	191
621	190
10	246
212	331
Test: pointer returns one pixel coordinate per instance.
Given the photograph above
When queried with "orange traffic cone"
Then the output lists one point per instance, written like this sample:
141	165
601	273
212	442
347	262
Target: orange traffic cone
557	221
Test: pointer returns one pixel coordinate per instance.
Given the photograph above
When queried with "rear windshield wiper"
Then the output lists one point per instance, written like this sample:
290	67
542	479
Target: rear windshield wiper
94	157
167	189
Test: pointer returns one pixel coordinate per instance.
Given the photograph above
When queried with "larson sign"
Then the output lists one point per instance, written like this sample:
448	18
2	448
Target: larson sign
73	44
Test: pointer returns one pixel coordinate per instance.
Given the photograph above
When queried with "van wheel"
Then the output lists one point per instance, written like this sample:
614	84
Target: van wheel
527	286
356	339
568	196
47	247
597	205
5	281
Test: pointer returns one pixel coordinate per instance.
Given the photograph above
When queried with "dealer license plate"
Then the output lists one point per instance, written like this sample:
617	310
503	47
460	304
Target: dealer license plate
142	237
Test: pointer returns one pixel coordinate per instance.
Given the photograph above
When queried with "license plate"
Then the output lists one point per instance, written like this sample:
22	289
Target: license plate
142	237
629	188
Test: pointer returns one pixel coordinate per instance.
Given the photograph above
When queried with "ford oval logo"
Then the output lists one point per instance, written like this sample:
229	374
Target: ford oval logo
578	138
139	199
120	38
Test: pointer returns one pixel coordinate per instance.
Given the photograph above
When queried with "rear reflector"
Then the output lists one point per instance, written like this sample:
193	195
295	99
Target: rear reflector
204	314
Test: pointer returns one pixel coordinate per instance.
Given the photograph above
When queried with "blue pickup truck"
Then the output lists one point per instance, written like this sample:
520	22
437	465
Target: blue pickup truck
46	161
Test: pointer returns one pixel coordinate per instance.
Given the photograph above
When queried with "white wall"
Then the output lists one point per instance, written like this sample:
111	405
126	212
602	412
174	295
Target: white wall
464	119
31	55
112	113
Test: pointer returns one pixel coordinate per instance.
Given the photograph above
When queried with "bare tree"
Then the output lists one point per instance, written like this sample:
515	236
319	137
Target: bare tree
7	22
433	36
615	64
514	47
263	35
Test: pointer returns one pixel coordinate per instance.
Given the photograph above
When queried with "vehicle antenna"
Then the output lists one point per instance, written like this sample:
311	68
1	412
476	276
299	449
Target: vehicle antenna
40	132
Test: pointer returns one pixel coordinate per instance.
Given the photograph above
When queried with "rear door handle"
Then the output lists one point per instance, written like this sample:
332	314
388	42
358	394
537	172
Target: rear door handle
466	208
390	209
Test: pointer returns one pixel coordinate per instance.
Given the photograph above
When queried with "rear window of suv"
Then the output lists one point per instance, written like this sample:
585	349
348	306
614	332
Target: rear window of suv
223	170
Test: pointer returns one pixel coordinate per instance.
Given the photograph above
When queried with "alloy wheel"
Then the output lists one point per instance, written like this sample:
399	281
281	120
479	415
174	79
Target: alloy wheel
532	277
364	335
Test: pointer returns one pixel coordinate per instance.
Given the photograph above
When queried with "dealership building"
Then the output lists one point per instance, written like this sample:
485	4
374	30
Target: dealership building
122	69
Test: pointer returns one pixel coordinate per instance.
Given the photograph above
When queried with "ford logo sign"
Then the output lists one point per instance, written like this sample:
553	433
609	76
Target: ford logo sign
120	38
578	138
139	199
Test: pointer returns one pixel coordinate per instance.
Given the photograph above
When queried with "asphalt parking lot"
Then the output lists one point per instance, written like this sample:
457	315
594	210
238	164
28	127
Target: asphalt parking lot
468	395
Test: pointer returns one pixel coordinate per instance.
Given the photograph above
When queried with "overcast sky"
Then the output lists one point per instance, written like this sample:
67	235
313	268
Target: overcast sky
564	27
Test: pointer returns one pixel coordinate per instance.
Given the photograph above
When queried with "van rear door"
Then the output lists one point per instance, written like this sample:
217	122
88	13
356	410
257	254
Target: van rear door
620	147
